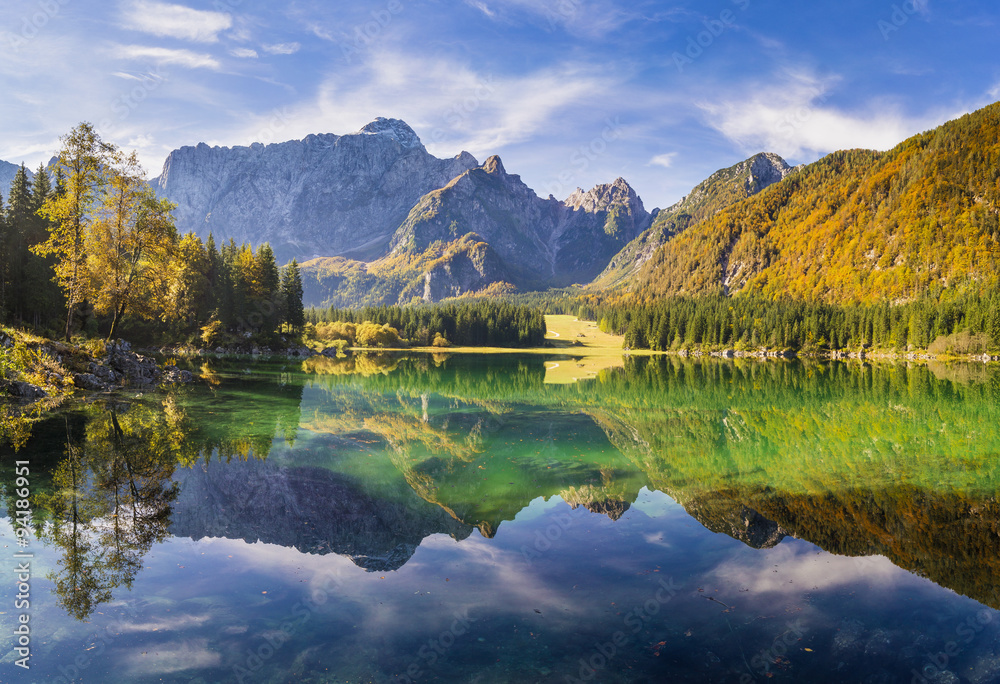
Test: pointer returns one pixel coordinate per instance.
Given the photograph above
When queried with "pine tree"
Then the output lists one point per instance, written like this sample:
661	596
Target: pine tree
266	289
20	217
994	321
291	290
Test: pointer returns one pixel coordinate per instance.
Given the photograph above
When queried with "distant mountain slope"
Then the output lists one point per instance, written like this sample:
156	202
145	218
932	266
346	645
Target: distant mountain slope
855	226
541	242
485	231
7	173
326	195
719	191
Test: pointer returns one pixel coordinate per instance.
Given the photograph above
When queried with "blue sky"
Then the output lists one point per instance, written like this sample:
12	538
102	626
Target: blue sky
569	92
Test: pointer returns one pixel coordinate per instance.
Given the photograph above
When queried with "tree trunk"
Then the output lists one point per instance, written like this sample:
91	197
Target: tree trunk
119	315
69	321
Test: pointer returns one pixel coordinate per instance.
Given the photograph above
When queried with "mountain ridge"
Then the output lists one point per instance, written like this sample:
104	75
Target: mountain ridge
855	226
325	195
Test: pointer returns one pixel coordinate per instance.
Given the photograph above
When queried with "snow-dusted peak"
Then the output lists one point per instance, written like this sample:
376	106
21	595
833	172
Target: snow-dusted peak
396	129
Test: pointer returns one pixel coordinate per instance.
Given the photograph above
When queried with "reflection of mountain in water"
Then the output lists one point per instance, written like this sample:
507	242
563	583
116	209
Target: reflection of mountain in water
858	460
311	509
725	516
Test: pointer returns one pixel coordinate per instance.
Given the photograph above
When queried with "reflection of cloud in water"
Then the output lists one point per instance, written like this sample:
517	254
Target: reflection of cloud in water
794	567
165	625
192	654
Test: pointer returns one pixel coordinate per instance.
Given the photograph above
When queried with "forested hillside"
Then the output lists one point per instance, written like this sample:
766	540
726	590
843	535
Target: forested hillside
719	191
856	226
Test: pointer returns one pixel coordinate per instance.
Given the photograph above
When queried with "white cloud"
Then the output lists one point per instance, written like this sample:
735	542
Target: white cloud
184	58
321	32
482	7
587	18
281	48
175	21
245	53
791	117
664	160
798	567
449	105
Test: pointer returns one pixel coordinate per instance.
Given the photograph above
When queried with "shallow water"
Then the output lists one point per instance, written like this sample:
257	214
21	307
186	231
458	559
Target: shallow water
434	519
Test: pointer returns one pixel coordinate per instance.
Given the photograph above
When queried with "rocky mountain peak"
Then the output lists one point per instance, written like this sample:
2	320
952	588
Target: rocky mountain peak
396	129
324	195
494	166
603	197
766	169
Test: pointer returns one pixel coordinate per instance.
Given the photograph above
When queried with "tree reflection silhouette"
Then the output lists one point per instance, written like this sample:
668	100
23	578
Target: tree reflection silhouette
111	503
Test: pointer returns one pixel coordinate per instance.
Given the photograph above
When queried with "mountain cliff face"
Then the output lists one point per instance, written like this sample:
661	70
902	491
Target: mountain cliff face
720	190
539	242
325	195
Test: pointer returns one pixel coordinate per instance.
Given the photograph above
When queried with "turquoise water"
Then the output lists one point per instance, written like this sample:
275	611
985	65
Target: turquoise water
434	519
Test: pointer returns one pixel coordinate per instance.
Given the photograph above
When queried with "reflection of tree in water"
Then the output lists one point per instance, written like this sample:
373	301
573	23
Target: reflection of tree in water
111	503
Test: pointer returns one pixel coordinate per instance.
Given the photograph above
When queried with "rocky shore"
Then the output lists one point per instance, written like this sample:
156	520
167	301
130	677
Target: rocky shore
55	369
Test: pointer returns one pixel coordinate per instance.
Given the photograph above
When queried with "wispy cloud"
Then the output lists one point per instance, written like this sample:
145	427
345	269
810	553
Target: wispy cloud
281	48
175	21
664	160
792	117
585	18
450	104
243	53
184	58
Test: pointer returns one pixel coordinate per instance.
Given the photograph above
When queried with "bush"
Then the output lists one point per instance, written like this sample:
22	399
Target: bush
213	333
959	343
330	332
374	335
440	341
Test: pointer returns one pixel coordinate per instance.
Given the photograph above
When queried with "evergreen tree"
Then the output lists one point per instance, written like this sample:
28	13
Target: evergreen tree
20	217
995	321
266	289
291	290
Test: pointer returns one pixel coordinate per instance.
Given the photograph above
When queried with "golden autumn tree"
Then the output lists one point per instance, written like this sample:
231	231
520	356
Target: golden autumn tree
130	242
82	162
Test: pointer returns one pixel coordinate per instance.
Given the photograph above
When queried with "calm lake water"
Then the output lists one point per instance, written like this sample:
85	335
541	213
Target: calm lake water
434	519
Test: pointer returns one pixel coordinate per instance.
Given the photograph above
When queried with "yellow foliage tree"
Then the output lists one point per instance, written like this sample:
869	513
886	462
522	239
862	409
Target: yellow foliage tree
129	243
